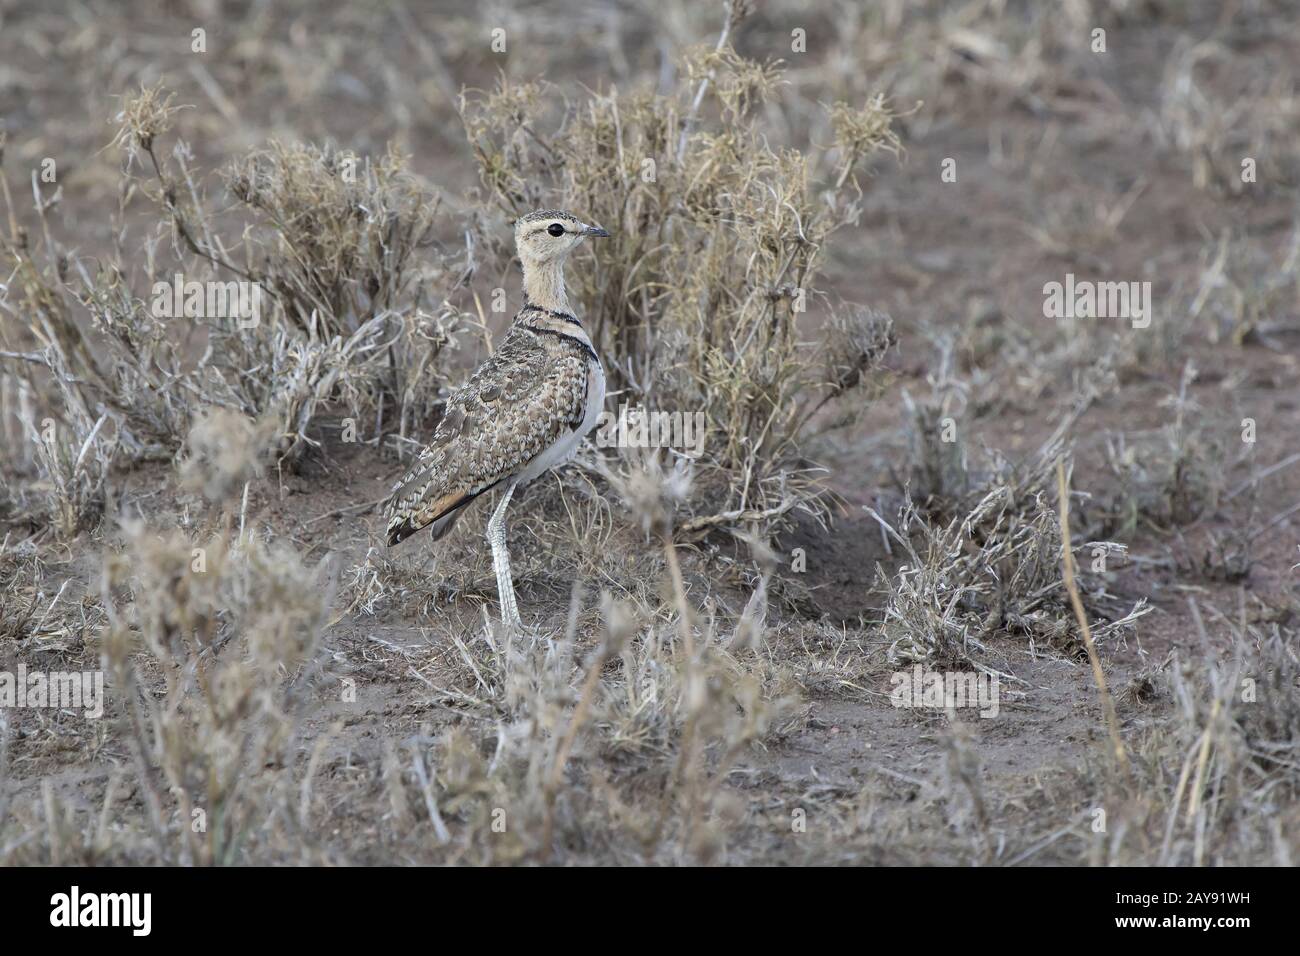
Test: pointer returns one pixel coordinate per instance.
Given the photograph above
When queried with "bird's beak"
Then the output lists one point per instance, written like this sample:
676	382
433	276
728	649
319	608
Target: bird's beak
596	231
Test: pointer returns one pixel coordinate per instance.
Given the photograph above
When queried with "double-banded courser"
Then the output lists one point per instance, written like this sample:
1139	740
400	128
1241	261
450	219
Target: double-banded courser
524	410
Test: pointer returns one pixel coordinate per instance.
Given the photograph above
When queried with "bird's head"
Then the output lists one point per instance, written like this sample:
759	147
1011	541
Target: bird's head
549	235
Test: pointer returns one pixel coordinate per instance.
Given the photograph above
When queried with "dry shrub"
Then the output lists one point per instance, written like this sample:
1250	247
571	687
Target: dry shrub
1245	295
212	651
938	472
1216	782
704	298
611	736
980	535
15	618
341	247
1215	127
74	465
994	566
347	321
346	231
224	450
1169	480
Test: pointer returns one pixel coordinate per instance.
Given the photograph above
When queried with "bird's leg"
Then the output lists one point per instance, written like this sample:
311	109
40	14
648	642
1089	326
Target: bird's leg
496	535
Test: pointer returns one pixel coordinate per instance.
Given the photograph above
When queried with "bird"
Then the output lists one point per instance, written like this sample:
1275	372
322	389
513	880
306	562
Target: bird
522	412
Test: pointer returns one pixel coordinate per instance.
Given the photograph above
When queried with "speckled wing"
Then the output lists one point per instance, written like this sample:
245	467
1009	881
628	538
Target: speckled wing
516	404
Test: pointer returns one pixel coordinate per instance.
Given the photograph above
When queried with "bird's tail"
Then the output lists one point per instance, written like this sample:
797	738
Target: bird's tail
399	529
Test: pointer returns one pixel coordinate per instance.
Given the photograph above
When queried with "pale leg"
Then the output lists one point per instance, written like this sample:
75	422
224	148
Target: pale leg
496	535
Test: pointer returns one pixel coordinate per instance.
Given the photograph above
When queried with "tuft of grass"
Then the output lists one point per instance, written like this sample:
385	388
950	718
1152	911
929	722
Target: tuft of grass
1169	482
993	566
1217	779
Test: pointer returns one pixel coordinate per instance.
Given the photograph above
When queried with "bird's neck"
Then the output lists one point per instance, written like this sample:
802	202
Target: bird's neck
546	307
544	286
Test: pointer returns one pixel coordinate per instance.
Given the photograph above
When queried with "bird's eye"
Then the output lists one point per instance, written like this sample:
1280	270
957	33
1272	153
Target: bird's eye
555	229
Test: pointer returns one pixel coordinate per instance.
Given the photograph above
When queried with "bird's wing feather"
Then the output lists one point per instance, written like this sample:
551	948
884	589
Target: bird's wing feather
516	404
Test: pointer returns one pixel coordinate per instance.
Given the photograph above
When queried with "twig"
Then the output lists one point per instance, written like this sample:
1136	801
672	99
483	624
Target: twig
439	828
585	698
1279	518
704	85
1257	477
1067	560
350	509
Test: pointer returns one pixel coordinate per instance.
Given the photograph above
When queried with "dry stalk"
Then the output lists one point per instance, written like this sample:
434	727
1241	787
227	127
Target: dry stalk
1067	558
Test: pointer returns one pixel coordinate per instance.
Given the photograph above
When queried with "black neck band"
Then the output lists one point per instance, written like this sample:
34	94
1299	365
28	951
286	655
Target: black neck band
591	352
571	319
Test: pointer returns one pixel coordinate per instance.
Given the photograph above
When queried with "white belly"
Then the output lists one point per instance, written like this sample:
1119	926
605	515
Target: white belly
595	397
563	449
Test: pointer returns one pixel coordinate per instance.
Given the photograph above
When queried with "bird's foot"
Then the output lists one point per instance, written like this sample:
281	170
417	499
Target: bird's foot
503	626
